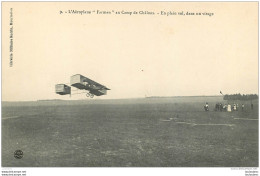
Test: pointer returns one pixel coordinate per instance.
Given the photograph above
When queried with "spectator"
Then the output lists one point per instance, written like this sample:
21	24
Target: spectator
206	107
225	107
229	108
242	107
220	107
235	107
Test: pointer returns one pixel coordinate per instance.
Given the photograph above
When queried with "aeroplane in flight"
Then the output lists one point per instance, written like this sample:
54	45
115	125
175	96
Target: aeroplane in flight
81	82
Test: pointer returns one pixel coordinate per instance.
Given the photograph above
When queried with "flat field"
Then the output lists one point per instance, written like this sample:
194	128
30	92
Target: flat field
149	132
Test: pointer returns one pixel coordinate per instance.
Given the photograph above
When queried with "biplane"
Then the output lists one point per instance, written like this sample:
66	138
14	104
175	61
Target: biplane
82	83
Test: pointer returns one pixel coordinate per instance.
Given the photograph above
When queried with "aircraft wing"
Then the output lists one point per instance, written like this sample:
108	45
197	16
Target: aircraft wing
95	83
82	82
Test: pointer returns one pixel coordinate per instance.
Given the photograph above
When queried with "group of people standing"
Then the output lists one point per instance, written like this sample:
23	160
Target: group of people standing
226	107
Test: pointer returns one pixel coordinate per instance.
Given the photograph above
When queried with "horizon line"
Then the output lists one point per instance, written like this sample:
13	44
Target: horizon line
114	98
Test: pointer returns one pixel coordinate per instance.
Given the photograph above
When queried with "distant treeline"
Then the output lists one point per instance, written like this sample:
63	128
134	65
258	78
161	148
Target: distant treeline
240	97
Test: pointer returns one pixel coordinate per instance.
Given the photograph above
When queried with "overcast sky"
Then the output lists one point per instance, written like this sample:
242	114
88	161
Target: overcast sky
134	56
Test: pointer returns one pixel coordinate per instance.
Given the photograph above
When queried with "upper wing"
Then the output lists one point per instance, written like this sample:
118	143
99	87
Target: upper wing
82	82
94	83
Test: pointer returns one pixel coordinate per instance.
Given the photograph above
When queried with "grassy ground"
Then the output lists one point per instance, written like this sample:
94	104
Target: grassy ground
141	133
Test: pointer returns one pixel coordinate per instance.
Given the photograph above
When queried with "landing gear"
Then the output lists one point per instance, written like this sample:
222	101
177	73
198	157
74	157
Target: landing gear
90	95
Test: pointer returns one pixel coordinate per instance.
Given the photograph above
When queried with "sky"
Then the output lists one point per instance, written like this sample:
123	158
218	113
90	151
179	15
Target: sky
133	55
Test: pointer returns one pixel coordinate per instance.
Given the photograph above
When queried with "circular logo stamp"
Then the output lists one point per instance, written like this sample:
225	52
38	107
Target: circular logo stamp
18	154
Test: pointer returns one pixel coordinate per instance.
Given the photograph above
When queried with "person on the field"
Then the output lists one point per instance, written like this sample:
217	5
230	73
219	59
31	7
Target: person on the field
242	107
225	107
206	107
235	107
220	107
229	108
252	106
216	107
